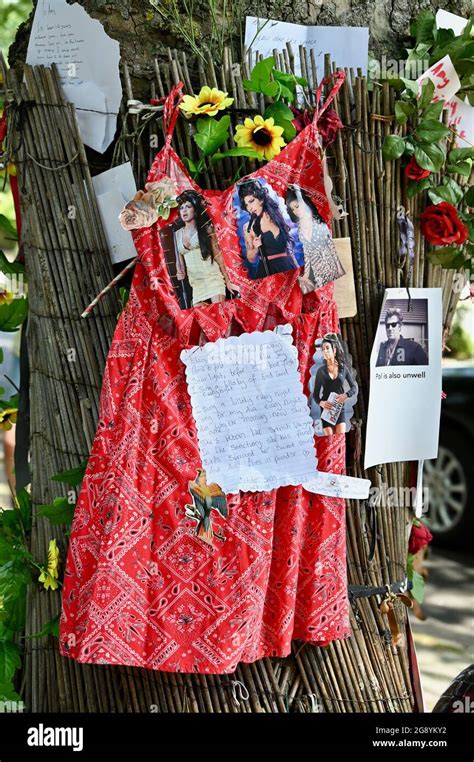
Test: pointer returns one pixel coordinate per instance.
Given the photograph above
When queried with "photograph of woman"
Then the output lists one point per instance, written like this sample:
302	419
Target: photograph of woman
321	263
199	265
335	391
268	241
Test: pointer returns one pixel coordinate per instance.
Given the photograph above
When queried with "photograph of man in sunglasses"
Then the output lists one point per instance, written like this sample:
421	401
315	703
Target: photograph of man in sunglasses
399	350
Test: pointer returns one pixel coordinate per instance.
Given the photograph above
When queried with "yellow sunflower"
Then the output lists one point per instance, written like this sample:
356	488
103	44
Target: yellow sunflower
6	297
207	103
8	417
49	576
263	135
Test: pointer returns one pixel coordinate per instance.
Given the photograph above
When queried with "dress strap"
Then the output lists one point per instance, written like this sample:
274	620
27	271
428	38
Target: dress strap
171	111
339	76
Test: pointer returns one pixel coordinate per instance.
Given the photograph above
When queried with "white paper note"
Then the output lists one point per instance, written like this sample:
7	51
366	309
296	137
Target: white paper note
444	77
348	46
447	20
113	189
87	58
461	119
405	394
252	416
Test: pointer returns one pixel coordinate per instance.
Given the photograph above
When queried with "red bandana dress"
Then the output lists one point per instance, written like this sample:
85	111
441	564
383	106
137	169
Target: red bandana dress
141	587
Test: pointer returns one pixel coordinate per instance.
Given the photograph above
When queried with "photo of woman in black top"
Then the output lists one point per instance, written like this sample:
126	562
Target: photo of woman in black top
333	386
267	236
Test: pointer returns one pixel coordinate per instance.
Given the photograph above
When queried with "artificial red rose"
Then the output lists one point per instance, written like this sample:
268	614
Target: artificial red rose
440	224
328	125
413	171
301	120
419	537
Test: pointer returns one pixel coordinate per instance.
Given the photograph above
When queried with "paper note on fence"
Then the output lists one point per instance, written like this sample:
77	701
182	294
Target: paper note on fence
254	426
348	46
88	65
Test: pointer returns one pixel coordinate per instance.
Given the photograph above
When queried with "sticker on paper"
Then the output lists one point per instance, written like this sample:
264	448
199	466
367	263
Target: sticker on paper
206	498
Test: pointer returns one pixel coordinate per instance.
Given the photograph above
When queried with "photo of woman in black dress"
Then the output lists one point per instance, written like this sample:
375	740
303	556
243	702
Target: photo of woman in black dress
267	236
333	385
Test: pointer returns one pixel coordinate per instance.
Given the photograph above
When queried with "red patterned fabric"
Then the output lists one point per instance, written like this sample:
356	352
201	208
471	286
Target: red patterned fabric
140	587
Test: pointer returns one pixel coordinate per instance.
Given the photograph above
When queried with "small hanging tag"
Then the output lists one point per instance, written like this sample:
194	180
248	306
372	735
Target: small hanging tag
337	210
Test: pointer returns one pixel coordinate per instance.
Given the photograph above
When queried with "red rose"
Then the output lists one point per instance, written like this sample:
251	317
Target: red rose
419	537
413	171
328	125
440	224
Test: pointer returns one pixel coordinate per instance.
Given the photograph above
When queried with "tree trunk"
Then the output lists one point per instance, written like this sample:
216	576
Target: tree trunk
68	264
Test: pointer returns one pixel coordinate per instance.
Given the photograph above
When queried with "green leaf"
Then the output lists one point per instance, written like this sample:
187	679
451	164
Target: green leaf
259	81
393	147
10	268
14	578
418	589
10	660
8	693
13	314
60	511
410	85
433	110
8	228
461	168
460	154
424	27
427	91
429	156
430	131
402	111
469	197
417	186
283	117
24	506
190	165
73	476
449	257
248	152
50	628
449	191
211	133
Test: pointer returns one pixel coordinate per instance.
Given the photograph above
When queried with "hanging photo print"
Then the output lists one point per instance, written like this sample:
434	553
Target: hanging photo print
268	238
321	262
405	378
193	258
332	386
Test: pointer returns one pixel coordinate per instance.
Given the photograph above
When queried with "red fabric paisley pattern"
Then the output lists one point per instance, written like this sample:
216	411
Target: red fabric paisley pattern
140	587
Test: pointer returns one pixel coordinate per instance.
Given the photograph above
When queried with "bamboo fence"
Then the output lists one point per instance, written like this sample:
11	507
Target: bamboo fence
68	264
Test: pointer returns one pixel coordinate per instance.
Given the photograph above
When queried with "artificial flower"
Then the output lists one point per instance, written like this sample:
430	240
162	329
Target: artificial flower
49	575
419	537
328	126
6	297
262	135
8	417
162	195
137	214
441	225
209	101
413	171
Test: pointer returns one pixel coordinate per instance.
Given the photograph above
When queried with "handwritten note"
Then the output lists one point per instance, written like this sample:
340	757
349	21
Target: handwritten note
348	46
461	119
338	485
443	75
88	65
252	417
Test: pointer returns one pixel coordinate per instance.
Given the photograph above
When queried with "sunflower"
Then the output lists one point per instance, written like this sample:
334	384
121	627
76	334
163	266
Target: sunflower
207	103
263	135
49	576
8	417
6	297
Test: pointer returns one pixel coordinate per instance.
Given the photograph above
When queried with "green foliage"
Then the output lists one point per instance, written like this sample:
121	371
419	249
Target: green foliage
13	314
73	476
60	511
211	134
